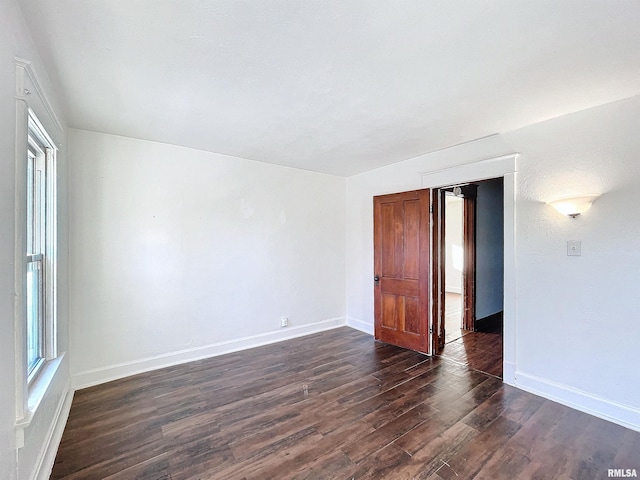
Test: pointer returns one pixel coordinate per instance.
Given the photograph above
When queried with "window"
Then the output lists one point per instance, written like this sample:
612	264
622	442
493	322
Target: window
40	243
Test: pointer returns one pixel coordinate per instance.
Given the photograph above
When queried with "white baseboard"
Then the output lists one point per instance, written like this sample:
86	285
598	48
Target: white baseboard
48	454
509	373
451	289
97	376
360	325
624	415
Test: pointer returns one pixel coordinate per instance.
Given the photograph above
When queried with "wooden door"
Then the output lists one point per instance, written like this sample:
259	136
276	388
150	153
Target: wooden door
401	268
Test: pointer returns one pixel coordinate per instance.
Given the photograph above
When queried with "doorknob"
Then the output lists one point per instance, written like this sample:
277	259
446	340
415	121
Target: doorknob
376	279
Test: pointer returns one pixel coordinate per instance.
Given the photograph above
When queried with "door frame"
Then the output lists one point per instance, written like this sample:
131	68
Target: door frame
470	194
438	258
505	167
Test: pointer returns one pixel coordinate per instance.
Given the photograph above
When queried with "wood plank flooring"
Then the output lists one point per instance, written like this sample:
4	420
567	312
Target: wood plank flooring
334	405
477	350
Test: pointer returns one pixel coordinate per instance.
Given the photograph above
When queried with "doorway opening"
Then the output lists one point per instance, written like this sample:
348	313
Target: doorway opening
454	266
470	271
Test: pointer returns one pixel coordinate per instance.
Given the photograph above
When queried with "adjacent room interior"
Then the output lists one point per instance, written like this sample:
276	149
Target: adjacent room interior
454	267
274	239
474	274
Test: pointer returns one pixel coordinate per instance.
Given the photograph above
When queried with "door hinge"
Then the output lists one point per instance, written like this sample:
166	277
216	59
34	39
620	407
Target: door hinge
431	208
430	330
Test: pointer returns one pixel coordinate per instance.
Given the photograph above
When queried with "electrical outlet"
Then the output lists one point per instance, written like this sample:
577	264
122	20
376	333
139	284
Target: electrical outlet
284	322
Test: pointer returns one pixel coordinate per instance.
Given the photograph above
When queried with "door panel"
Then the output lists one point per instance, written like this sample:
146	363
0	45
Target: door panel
412	315
400	287
388	240
411	254
389	315
401	262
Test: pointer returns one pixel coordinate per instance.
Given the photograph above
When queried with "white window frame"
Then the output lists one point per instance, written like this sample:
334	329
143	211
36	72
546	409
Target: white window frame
40	144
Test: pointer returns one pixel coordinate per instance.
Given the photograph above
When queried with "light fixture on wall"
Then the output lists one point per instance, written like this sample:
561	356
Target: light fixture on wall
573	206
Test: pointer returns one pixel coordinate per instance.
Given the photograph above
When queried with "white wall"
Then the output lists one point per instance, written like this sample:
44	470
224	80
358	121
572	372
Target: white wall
489	248
178	254
39	435
577	327
454	240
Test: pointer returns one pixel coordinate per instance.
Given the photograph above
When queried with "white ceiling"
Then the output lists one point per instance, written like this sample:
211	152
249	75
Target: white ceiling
334	86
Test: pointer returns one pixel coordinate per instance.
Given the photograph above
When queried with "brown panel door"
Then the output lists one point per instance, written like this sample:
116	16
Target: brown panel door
401	269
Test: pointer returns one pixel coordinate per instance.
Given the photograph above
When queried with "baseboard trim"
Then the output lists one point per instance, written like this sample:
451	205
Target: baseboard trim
48	455
360	325
624	415
89	378
509	373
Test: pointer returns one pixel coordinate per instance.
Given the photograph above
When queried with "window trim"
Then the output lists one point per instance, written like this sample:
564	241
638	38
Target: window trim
31	99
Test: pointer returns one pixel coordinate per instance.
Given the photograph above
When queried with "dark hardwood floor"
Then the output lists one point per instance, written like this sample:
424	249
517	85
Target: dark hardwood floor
477	350
334	405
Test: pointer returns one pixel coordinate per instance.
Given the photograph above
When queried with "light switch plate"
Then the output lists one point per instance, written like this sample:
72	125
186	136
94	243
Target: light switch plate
574	248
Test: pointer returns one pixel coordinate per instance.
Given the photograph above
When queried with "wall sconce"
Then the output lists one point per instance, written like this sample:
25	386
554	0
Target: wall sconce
573	206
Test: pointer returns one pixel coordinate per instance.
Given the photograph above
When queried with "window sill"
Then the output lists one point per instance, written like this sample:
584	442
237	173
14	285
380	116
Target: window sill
38	389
